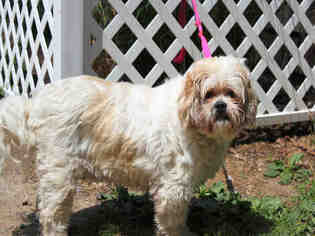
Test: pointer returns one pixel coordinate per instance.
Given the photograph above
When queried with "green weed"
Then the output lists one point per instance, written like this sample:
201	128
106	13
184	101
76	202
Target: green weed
289	172
299	219
217	212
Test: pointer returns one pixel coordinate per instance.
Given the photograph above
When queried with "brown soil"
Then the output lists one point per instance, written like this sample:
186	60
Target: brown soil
245	164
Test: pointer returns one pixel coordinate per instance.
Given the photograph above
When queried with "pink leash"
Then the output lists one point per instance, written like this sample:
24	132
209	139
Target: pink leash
182	20
204	43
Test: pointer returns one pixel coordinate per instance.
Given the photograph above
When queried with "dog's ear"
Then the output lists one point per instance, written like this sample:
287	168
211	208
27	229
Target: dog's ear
190	98
250	104
250	99
185	100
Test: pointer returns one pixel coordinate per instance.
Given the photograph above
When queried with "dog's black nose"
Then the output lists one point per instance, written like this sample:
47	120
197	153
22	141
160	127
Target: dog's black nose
220	106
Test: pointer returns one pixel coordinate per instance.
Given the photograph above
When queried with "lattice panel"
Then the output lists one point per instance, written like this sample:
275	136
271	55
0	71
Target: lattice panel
277	37
26	47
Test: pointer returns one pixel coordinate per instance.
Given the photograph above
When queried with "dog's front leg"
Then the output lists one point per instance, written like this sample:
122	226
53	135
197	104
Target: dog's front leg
171	210
56	192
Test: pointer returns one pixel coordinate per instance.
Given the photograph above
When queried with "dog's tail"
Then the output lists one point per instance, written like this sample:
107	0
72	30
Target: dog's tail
13	128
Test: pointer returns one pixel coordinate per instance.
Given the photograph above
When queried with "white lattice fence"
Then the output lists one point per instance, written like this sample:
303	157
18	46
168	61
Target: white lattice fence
276	36
44	40
26	46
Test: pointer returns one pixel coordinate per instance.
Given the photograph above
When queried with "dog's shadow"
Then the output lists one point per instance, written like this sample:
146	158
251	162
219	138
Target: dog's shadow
134	216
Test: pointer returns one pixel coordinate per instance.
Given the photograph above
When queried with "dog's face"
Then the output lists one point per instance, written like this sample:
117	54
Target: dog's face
217	99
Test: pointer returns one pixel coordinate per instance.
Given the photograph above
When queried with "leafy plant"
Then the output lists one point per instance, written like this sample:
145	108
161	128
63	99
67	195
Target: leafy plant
219	212
274	169
288	173
295	158
267	206
119	193
299	219
217	191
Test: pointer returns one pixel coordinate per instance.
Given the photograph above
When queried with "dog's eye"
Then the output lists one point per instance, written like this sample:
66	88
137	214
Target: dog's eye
209	95
230	94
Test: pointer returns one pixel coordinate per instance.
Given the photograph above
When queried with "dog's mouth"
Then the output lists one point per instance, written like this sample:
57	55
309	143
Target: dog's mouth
221	116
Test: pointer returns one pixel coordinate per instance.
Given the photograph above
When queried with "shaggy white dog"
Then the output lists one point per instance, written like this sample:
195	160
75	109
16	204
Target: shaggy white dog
165	140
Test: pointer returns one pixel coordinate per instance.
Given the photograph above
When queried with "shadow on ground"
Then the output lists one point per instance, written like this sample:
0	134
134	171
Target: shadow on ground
134	216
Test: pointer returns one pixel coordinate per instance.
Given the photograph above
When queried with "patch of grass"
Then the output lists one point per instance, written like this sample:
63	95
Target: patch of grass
299	219
295	218
214	211
289	172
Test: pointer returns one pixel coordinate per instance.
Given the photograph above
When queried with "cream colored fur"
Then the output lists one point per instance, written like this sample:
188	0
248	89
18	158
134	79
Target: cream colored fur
164	140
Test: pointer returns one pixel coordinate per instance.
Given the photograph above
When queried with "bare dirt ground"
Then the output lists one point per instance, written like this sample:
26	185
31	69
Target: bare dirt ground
246	162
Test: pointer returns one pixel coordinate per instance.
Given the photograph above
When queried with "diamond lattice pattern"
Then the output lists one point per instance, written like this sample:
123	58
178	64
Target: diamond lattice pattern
277	38
26	47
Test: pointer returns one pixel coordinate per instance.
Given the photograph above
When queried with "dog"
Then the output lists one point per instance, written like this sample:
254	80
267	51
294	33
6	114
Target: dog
165	140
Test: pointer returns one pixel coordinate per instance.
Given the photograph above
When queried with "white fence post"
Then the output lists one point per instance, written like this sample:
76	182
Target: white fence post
68	38
75	33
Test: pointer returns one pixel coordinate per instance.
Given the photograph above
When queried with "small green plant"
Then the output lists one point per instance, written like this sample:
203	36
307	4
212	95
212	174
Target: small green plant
290	172
217	191
274	169
267	206
218	212
119	193
299	219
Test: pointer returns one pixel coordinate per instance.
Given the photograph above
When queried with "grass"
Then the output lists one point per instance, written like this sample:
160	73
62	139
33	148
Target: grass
288	172
216	212
298	219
